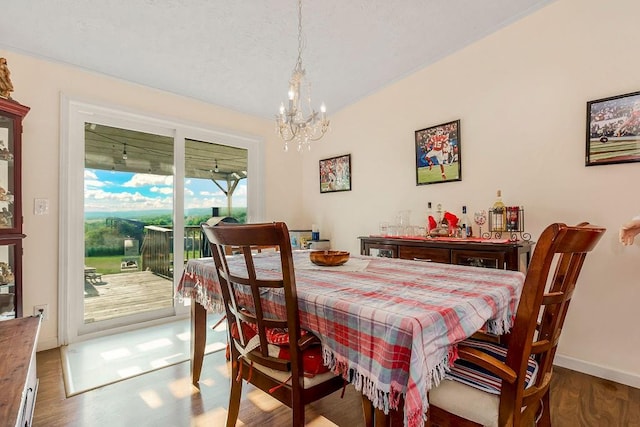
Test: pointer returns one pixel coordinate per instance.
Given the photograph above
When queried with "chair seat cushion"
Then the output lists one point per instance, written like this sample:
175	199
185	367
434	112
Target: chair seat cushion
308	381
477	377
471	392
277	336
312	360
466	402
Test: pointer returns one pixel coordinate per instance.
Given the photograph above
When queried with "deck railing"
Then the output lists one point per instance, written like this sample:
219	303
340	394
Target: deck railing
157	248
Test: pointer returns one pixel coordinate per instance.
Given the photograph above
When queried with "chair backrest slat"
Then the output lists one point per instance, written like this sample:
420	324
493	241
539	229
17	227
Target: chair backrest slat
243	290
549	285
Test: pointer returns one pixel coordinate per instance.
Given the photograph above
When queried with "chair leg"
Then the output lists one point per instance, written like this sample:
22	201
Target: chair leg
298	415
234	395
545	418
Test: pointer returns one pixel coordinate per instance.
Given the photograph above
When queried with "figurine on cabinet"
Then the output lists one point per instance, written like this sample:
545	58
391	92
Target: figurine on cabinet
5	196
6	303
5	154
6	87
6	275
5	218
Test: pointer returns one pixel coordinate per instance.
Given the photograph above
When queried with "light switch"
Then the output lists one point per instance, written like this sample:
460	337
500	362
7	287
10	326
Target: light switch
41	206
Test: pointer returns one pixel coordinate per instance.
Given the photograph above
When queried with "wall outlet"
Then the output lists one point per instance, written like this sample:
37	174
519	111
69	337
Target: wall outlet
43	310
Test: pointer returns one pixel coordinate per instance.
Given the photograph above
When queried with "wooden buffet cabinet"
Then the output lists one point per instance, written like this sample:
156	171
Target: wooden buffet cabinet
476	252
18	340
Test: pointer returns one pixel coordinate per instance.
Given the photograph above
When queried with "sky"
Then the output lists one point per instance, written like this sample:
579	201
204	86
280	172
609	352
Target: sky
110	191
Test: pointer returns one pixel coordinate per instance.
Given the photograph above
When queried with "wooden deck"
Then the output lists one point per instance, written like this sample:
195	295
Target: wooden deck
122	294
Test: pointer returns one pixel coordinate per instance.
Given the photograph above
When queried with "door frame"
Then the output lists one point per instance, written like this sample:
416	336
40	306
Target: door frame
74	113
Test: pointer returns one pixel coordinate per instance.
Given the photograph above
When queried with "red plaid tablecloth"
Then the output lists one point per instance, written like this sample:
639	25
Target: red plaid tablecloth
389	329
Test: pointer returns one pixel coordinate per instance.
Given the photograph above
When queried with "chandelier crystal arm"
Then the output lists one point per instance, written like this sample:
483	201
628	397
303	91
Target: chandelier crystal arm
298	121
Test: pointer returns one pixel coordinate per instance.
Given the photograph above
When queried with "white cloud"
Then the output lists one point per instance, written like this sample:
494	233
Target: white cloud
161	190
143	179
99	200
212	194
205	202
90	174
241	190
93	183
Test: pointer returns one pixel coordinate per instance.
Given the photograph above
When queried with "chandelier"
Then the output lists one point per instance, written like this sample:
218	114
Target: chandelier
298	121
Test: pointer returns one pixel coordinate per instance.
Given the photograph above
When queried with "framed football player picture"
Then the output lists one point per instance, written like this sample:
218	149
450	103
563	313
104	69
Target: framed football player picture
613	130
438	154
335	174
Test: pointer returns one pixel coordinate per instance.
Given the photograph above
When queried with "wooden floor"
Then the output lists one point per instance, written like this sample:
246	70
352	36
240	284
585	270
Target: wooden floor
115	295
166	398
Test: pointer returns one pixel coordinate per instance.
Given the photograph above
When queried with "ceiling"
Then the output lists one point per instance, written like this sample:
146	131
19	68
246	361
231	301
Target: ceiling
123	150
240	54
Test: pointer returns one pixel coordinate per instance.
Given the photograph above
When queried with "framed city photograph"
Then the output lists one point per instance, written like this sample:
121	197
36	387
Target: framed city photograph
335	174
438	154
613	130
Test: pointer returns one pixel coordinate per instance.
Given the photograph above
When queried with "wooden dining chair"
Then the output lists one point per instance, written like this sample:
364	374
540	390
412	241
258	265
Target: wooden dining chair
268	350
504	381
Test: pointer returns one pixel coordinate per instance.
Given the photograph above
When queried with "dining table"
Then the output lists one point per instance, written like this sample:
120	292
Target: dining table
388	326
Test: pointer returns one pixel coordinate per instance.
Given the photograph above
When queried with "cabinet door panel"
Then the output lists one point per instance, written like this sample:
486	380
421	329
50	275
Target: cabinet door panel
8	280
425	254
387	251
478	258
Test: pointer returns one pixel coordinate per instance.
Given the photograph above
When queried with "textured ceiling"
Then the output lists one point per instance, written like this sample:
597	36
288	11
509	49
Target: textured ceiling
240	54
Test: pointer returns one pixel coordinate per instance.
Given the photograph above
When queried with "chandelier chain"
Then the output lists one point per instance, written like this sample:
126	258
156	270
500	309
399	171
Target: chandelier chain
299	33
299	122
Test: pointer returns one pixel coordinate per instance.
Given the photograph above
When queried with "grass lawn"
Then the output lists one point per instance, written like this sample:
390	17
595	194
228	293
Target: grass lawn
107	264
435	175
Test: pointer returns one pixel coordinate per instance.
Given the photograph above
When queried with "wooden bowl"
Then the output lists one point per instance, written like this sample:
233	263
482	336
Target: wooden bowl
329	258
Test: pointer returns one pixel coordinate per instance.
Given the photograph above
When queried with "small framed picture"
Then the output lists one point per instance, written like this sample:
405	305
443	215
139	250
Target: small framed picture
335	174
438	154
613	130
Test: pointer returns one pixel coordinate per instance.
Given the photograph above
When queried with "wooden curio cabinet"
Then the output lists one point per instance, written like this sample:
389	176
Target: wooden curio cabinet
11	115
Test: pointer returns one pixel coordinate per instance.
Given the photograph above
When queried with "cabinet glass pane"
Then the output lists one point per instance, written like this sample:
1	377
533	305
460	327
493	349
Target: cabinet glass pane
6	172
7	282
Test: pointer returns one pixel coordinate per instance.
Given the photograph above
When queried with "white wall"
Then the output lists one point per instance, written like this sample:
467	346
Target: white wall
39	84
521	97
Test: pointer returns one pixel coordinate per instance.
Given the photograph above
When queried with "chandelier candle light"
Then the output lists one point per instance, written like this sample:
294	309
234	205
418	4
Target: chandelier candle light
299	122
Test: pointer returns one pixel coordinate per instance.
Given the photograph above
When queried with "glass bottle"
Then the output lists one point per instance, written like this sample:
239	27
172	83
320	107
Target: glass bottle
499	213
429	214
466	224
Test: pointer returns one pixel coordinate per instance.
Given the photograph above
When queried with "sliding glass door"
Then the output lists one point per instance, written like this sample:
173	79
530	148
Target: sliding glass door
134	190
128	225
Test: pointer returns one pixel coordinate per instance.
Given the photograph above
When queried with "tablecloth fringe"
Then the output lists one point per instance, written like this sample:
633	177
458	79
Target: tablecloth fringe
501	326
381	399
199	294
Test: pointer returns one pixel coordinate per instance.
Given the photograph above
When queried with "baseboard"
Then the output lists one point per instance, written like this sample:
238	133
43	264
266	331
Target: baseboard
622	377
47	344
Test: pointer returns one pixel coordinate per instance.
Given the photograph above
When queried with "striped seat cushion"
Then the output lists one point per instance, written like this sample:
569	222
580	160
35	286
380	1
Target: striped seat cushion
477	377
